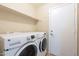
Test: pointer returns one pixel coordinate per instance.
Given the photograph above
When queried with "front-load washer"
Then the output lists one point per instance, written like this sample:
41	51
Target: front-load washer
41	42
18	44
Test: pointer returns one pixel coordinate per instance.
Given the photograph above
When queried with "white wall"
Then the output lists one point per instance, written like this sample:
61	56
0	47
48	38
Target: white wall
12	22
36	11
25	8
39	11
42	15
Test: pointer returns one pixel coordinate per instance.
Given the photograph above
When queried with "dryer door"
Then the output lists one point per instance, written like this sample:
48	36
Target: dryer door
27	50
43	45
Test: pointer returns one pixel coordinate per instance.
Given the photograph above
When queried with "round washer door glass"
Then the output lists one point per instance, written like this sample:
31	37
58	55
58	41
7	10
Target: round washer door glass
44	43
30	50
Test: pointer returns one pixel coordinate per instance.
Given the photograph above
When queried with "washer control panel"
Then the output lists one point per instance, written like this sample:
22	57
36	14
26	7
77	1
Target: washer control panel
32	36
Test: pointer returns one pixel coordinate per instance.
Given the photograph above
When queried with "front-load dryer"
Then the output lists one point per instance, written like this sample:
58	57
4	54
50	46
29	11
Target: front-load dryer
18	45
42	43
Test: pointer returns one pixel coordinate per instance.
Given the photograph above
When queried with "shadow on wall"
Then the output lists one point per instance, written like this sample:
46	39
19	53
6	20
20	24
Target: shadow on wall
7	14
12	21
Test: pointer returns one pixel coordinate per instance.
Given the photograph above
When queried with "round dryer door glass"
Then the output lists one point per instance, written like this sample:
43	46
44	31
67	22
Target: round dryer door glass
44	44
30	50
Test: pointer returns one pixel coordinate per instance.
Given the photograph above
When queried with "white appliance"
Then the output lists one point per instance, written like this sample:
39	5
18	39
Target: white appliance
62	30
41	43
19	44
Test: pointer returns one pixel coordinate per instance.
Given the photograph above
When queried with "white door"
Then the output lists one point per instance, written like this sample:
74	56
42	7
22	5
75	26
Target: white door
61	30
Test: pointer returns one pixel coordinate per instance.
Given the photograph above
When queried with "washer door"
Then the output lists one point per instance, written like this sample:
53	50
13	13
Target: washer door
27	50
